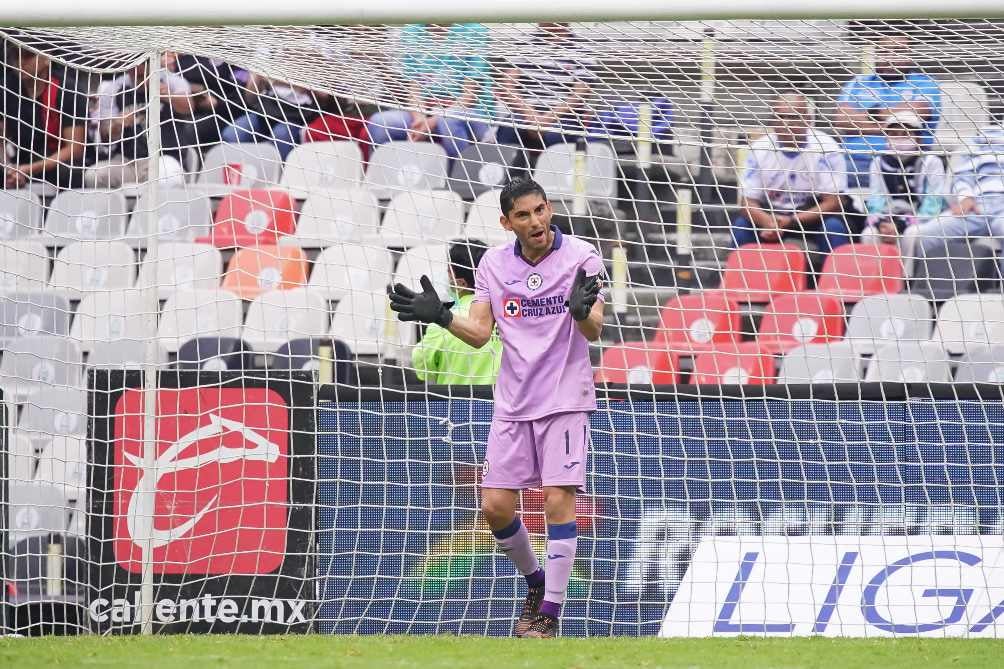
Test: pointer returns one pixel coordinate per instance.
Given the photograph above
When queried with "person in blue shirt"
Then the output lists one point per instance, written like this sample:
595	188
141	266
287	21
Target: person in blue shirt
448	79
868	100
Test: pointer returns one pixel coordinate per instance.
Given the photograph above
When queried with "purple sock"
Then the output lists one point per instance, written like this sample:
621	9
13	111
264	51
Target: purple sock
514	541
561	544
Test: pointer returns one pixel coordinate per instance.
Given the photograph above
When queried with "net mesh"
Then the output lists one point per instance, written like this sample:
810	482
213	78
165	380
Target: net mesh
800	223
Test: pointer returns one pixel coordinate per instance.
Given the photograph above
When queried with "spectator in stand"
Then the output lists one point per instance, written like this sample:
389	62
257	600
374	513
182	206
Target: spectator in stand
216	97
792	182
340	120
44	122
907	185
442	359
868	100
118	125
545	97
448	81
278	112
978	190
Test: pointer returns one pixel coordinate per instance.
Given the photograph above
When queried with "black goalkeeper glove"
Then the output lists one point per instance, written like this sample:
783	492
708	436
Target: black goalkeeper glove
424	307
583	296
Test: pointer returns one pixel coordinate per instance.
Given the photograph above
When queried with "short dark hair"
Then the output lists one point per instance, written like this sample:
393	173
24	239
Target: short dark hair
516	189
465	256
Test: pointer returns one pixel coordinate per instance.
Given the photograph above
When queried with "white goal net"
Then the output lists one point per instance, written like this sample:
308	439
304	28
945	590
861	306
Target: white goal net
214	423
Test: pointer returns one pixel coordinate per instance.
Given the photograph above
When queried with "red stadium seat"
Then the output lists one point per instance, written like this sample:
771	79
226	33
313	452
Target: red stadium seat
758	272
738	364
253	218
698	322
801	318
637	362
855	271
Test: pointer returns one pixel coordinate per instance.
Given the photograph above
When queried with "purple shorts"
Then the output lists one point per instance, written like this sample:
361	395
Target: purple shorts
549	451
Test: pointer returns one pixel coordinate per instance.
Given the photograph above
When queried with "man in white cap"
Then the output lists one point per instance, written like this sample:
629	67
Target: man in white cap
907	185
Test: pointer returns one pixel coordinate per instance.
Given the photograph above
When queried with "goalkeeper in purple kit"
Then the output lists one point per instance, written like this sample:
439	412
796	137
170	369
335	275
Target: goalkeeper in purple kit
543	293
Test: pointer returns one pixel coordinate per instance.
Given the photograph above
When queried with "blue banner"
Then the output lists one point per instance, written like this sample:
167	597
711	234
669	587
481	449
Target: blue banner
403	548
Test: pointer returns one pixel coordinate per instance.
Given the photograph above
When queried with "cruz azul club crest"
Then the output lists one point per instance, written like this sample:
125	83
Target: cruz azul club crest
215	499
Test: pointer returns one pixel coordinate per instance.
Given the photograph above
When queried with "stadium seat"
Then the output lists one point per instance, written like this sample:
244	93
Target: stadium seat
85	215
22	458
333	217
181	216
258	270
282	315
397	167
482	167
55	411
982	365
188	314
181	266
343	268
964	110
113	316
910	362
252	218
363	322
30	364
304	354
230	167
800	318
421	217
637	363
20	214
854	271
698	322
758	272
735	364
318	166
881	319
555	171
35	509
26	314
821	363
63	463
216	354
969	321
82	268
125	354
962	266
24	266
483	220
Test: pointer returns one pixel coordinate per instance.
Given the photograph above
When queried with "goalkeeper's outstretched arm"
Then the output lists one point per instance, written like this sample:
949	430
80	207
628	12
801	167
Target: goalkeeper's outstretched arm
474	329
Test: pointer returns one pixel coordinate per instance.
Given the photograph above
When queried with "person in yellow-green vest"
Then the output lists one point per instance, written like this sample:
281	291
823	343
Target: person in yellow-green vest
442	359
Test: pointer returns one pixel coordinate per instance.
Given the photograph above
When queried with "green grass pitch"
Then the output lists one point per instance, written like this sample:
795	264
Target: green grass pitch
421	652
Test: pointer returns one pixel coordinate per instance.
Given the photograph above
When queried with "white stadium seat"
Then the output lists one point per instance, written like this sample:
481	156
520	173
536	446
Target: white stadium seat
483	220
345	268
422	217
280	315
31	364
180	216
319	166
24	266
112	316
188	314
93	266
336	216
181	266
397	167
83	215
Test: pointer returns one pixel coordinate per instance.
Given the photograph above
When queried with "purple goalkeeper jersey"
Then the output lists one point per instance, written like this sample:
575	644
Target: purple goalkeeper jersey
545	359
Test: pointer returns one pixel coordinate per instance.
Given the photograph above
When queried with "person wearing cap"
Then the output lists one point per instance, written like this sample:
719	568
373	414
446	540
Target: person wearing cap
442	359
907	185
868	100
